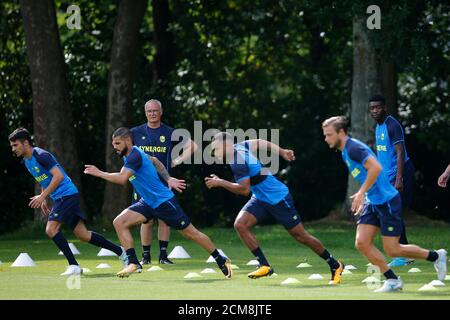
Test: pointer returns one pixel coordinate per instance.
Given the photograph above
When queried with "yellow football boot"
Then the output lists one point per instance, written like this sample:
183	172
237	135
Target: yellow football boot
263	271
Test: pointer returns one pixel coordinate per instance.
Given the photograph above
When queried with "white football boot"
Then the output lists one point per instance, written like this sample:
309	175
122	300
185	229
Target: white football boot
391	285
72	270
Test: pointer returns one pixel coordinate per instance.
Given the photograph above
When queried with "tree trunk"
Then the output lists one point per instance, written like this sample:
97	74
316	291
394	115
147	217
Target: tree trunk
389	86
366	82
165	49
52	115
120	94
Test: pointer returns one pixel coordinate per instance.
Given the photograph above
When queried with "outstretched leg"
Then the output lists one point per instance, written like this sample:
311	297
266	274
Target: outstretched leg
122	223
193	234
304	237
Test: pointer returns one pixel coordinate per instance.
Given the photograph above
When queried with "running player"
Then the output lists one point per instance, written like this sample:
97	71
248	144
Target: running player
379	207
55	183
157	201
155	139
269	197
393	157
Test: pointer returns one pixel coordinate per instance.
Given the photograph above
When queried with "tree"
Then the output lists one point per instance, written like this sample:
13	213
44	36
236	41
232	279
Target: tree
165	49
366	82
52	115
120	92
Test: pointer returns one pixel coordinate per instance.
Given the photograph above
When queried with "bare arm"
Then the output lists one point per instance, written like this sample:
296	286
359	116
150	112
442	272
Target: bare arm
373	171
443	179
240	188
162	171
256	144
187	152
115	177
172	183
39	201
399	148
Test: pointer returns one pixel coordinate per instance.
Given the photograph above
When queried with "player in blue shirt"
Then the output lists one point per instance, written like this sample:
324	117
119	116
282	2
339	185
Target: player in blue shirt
157	201
55	184
155	139
269	196
379	207
392	155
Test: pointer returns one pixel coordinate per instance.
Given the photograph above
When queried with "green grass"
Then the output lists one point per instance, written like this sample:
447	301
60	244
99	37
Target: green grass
44	281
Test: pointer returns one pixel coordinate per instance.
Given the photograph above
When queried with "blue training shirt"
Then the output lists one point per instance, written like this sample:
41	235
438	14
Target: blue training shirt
246	165
145	179
355	154
40	164
388	134
155	142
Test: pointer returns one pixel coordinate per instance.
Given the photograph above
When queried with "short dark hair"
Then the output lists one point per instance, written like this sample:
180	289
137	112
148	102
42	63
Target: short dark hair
378	98
337	122
20	134
122	132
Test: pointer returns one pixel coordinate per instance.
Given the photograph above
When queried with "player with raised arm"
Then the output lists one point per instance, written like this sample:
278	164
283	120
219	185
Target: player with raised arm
269	196
157	201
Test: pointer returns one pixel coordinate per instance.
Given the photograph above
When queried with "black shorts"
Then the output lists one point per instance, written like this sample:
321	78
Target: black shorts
284	211
67	210
170	212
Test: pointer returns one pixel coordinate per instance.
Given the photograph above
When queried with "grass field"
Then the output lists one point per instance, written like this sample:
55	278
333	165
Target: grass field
44	281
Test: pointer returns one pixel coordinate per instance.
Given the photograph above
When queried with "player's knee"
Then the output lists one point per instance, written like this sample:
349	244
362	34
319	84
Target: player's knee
118	223
189	235
361	245
240	226
392	251
51	231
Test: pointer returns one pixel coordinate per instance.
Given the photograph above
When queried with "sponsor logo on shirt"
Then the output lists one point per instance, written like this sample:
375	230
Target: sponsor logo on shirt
153	149
355	172
381	147
41	178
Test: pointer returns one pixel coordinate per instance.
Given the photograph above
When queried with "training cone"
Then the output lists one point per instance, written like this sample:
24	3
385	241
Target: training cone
23	260
234	267
350	267
315	276
437	283
191	275
273	275
447	277
208	270
346	271
427	287
414	270
290	281
155	268
103	266
72	248
304	265
211	259
371	279
179	253
106	253
253	263
86	270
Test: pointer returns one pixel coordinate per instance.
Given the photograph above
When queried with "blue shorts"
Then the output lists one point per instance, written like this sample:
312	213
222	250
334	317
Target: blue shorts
284	211
386	216
408	184
67	210
170	212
